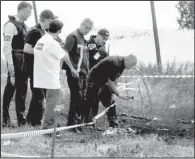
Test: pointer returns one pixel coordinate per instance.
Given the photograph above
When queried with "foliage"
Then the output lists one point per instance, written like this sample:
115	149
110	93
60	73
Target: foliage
186	10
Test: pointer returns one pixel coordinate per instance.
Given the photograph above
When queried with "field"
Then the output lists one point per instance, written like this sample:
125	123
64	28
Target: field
170	134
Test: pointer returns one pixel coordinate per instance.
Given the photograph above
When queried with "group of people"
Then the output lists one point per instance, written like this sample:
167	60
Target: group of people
38	54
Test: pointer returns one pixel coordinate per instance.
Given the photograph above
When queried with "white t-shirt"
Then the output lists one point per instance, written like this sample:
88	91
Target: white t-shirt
47	59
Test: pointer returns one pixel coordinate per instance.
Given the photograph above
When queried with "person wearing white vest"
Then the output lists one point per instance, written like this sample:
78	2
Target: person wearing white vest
48	56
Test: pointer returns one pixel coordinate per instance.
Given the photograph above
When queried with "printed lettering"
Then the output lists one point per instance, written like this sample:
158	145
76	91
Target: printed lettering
39	48
7	38
91	46
40	44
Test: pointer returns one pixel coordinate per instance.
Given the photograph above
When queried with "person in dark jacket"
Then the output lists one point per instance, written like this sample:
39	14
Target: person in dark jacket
35	112
96	47
106	71
75	45
14	32
97	52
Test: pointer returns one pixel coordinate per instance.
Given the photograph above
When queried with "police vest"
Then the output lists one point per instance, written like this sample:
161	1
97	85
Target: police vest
19	39
75	53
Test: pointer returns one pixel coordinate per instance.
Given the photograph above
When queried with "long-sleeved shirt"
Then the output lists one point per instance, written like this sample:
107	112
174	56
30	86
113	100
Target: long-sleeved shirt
109	68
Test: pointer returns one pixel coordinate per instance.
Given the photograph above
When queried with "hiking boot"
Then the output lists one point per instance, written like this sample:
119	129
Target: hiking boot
76	130
113	124
37	123
21	120
6	122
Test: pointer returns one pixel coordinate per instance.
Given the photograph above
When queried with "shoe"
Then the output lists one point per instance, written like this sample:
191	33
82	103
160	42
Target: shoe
96	128
113	124
34	123
21	120
76	130
6	122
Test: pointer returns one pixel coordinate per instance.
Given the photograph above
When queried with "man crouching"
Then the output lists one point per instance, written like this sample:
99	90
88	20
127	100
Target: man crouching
105	72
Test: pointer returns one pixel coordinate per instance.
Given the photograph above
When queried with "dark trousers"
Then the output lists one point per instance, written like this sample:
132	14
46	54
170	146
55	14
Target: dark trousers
20	87
36	109
77	90
94	95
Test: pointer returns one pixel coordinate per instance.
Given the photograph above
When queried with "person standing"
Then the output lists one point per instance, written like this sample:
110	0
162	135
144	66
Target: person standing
96	47
35	112
76	47
14	32
48	56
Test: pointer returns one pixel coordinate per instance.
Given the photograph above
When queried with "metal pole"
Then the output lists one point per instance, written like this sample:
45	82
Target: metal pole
35	12
156	39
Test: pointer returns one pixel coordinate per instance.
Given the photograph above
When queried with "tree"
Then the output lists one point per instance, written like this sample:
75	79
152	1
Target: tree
186	10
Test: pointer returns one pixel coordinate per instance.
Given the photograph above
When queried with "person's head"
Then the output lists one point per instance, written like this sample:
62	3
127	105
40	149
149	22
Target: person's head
45	18
102	37
130	61
55	27
86	26
24	10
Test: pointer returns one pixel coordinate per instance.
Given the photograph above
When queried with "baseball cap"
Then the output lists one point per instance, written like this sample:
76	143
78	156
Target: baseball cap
47	14
104	32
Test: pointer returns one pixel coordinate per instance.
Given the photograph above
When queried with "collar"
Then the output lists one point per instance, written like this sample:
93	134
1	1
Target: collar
38	26
46	33
92	38
15	17
80	33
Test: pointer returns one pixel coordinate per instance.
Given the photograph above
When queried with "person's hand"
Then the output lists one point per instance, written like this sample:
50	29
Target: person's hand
125	97
75	73
10	68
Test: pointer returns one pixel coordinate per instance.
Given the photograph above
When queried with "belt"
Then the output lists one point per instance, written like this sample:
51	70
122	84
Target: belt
17	51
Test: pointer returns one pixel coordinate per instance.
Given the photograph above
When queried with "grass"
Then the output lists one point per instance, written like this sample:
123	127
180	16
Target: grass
117	146
164	93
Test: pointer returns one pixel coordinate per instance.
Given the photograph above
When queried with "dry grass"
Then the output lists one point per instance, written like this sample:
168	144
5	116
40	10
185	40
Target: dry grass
164	93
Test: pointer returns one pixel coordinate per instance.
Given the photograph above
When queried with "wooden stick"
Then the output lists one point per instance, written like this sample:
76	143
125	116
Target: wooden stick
81	57
142	101
53	139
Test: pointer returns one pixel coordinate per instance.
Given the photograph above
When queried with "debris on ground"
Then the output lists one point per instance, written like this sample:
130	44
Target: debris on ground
7	143
115	131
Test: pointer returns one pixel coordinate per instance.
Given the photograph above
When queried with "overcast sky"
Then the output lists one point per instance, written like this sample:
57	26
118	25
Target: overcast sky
119	15
109	14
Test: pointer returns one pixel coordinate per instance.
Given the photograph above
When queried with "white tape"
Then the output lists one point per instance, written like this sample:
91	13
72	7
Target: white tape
47	131
3	154
160	76
133	89
40	132
103	112
125	84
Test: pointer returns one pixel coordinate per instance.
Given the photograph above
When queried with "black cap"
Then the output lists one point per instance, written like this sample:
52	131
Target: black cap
47	14
104	32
